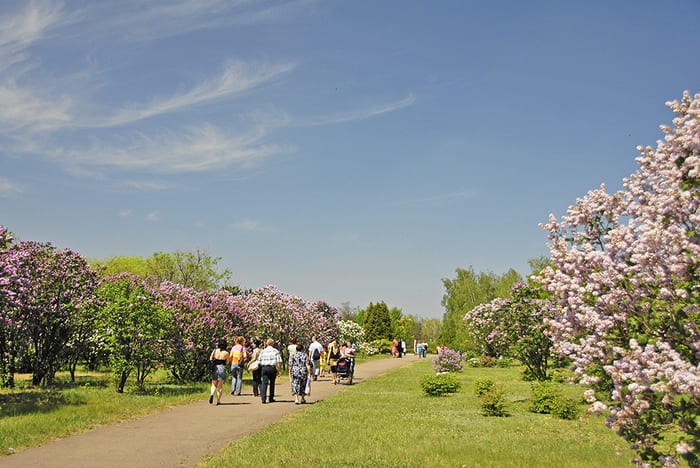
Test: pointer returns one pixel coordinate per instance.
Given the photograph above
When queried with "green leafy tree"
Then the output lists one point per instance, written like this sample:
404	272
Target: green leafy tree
136	327
465	292
196	269
377	322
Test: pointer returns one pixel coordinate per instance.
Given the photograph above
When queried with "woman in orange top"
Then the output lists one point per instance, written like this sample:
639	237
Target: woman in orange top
238	357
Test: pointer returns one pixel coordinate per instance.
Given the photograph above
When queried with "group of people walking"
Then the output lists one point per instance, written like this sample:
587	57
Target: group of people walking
398	348
305	365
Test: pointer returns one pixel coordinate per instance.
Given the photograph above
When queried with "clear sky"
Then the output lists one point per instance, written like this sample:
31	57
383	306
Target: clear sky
342	150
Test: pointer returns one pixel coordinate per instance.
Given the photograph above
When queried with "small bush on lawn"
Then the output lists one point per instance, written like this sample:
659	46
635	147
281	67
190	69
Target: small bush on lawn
437	385
503	362
488	361
544	397
493	401
482	386
565	408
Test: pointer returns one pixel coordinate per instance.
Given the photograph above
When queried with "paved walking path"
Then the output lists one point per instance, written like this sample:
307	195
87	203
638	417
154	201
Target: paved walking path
182	436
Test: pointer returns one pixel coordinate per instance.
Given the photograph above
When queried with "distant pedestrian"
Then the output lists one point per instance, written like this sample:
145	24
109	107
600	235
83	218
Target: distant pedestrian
425	350
315	352
218	358
394	349
399	351
238	357
403	347
299	372
270	361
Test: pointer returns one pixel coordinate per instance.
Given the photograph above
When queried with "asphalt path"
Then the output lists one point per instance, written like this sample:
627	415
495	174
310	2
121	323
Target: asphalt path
182	436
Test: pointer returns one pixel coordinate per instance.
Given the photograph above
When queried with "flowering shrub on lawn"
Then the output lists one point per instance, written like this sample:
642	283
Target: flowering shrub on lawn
448	360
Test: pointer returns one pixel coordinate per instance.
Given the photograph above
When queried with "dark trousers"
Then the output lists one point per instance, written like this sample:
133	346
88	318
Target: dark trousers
257	380
269	375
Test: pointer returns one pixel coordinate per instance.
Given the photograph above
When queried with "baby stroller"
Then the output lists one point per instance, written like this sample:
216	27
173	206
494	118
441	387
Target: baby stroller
346	368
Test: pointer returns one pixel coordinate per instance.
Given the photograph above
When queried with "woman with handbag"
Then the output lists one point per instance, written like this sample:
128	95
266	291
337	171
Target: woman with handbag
254	367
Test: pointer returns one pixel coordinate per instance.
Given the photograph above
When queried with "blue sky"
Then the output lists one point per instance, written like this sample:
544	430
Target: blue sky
344	151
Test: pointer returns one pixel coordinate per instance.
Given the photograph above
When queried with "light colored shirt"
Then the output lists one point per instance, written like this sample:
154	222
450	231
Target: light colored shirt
313	346
270	357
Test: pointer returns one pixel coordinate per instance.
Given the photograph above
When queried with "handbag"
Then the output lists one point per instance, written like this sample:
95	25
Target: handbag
253	365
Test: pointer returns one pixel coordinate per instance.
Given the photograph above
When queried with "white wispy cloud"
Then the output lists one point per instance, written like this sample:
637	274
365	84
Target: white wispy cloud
7	187
250	225
362	114
236	77
21	29
23	106
195	149
166	18
124	212
153	216
148	185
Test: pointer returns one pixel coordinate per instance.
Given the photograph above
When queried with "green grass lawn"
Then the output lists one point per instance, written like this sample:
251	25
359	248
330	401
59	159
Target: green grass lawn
387	421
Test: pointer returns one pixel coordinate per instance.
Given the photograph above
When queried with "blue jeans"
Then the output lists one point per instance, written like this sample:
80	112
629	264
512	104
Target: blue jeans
269	375
236	378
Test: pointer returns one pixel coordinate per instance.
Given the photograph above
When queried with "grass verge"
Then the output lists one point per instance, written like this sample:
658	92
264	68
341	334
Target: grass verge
387	421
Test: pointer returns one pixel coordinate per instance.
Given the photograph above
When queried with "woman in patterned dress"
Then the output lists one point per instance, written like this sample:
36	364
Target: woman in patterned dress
299	371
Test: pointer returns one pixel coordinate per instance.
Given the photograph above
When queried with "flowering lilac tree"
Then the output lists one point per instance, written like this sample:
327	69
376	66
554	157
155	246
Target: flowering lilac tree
201	320
270	313
351	331
516	327
136	327
44	291
625	271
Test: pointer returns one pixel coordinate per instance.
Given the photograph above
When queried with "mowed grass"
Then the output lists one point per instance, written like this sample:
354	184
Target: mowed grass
32	416
387	421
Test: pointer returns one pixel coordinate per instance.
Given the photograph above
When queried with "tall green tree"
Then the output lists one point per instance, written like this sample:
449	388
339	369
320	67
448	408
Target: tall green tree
465	292
190	269
377	322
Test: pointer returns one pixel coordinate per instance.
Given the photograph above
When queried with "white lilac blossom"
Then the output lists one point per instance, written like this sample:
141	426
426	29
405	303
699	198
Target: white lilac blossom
624	272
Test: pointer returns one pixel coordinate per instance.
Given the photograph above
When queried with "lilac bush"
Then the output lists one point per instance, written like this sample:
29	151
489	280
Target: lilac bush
625	276
42	291
448	360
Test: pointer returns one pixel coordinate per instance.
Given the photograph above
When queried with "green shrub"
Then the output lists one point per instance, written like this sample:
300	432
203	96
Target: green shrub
437	385
493	401
565	408
544	397
503	362
482	386
383	346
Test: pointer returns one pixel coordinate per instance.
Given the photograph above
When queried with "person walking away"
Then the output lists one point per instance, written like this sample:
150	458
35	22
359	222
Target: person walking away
299	372
333	356
403	347
219	358
398	347
394	349
238	357
257	370
292	348
315	352
271	367
425	349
